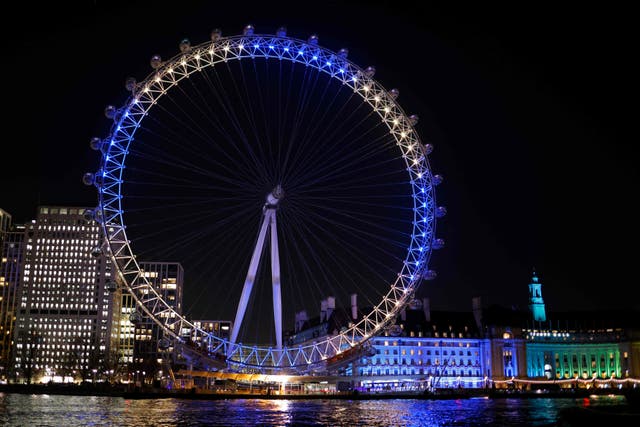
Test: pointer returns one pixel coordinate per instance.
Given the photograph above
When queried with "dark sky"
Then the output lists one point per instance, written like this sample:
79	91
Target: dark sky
526	106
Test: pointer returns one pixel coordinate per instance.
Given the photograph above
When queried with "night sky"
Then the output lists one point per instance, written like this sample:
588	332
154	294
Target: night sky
525	105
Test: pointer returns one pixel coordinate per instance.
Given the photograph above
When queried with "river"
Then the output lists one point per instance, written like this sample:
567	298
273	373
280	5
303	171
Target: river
71	411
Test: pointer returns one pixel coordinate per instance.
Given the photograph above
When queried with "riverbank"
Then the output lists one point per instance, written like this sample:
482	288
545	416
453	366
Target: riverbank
129	392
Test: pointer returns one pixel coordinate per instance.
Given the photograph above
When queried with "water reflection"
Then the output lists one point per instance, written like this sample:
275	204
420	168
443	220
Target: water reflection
72	411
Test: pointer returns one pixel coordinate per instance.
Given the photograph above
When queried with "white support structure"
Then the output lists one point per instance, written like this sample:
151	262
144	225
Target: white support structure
268	222
275	279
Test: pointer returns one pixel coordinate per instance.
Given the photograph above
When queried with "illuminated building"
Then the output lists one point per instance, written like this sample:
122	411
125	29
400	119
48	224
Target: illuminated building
5	221
167	278
492	346
585	346
64	316
218	328
426	349
126	329
423	349
11	250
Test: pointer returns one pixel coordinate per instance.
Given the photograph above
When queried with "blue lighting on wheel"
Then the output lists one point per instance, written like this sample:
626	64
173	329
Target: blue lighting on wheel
315	57
286	49
270	46
341	70
256	46
328	63
300	52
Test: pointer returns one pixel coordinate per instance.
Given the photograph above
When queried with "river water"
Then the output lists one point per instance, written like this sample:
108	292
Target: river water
71	411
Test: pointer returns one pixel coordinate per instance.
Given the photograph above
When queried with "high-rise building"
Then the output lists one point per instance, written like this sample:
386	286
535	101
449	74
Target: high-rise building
126	329
218	328
167	278
11	250
5	220
65	314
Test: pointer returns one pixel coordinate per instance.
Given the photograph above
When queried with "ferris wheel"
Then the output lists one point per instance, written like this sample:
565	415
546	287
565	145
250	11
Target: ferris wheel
258	147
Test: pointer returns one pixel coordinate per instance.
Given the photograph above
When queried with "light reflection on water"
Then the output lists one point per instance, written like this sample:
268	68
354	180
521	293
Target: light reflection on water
72	411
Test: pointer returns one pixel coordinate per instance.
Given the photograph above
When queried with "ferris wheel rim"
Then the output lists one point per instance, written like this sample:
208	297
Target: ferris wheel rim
168	74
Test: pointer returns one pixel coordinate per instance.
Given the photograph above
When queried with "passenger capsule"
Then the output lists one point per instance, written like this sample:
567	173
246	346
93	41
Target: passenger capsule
429	275
96	252
111	286
110	111
281	32
130	84
98	178
216	35
370	71
164	344
438	244
135	317
413	119
156	62
88	215
248	30
313	39
395	330
185	46
415	304
343	53
428	149
95	143
394	93
441	211
87	178
437	179
97	215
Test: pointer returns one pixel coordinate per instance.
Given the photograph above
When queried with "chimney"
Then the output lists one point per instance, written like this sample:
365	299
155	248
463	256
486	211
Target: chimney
323	310
476	304
331	305
354	306
301	318
426	307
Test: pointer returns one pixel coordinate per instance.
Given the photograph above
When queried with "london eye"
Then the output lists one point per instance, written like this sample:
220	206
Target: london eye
289	184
